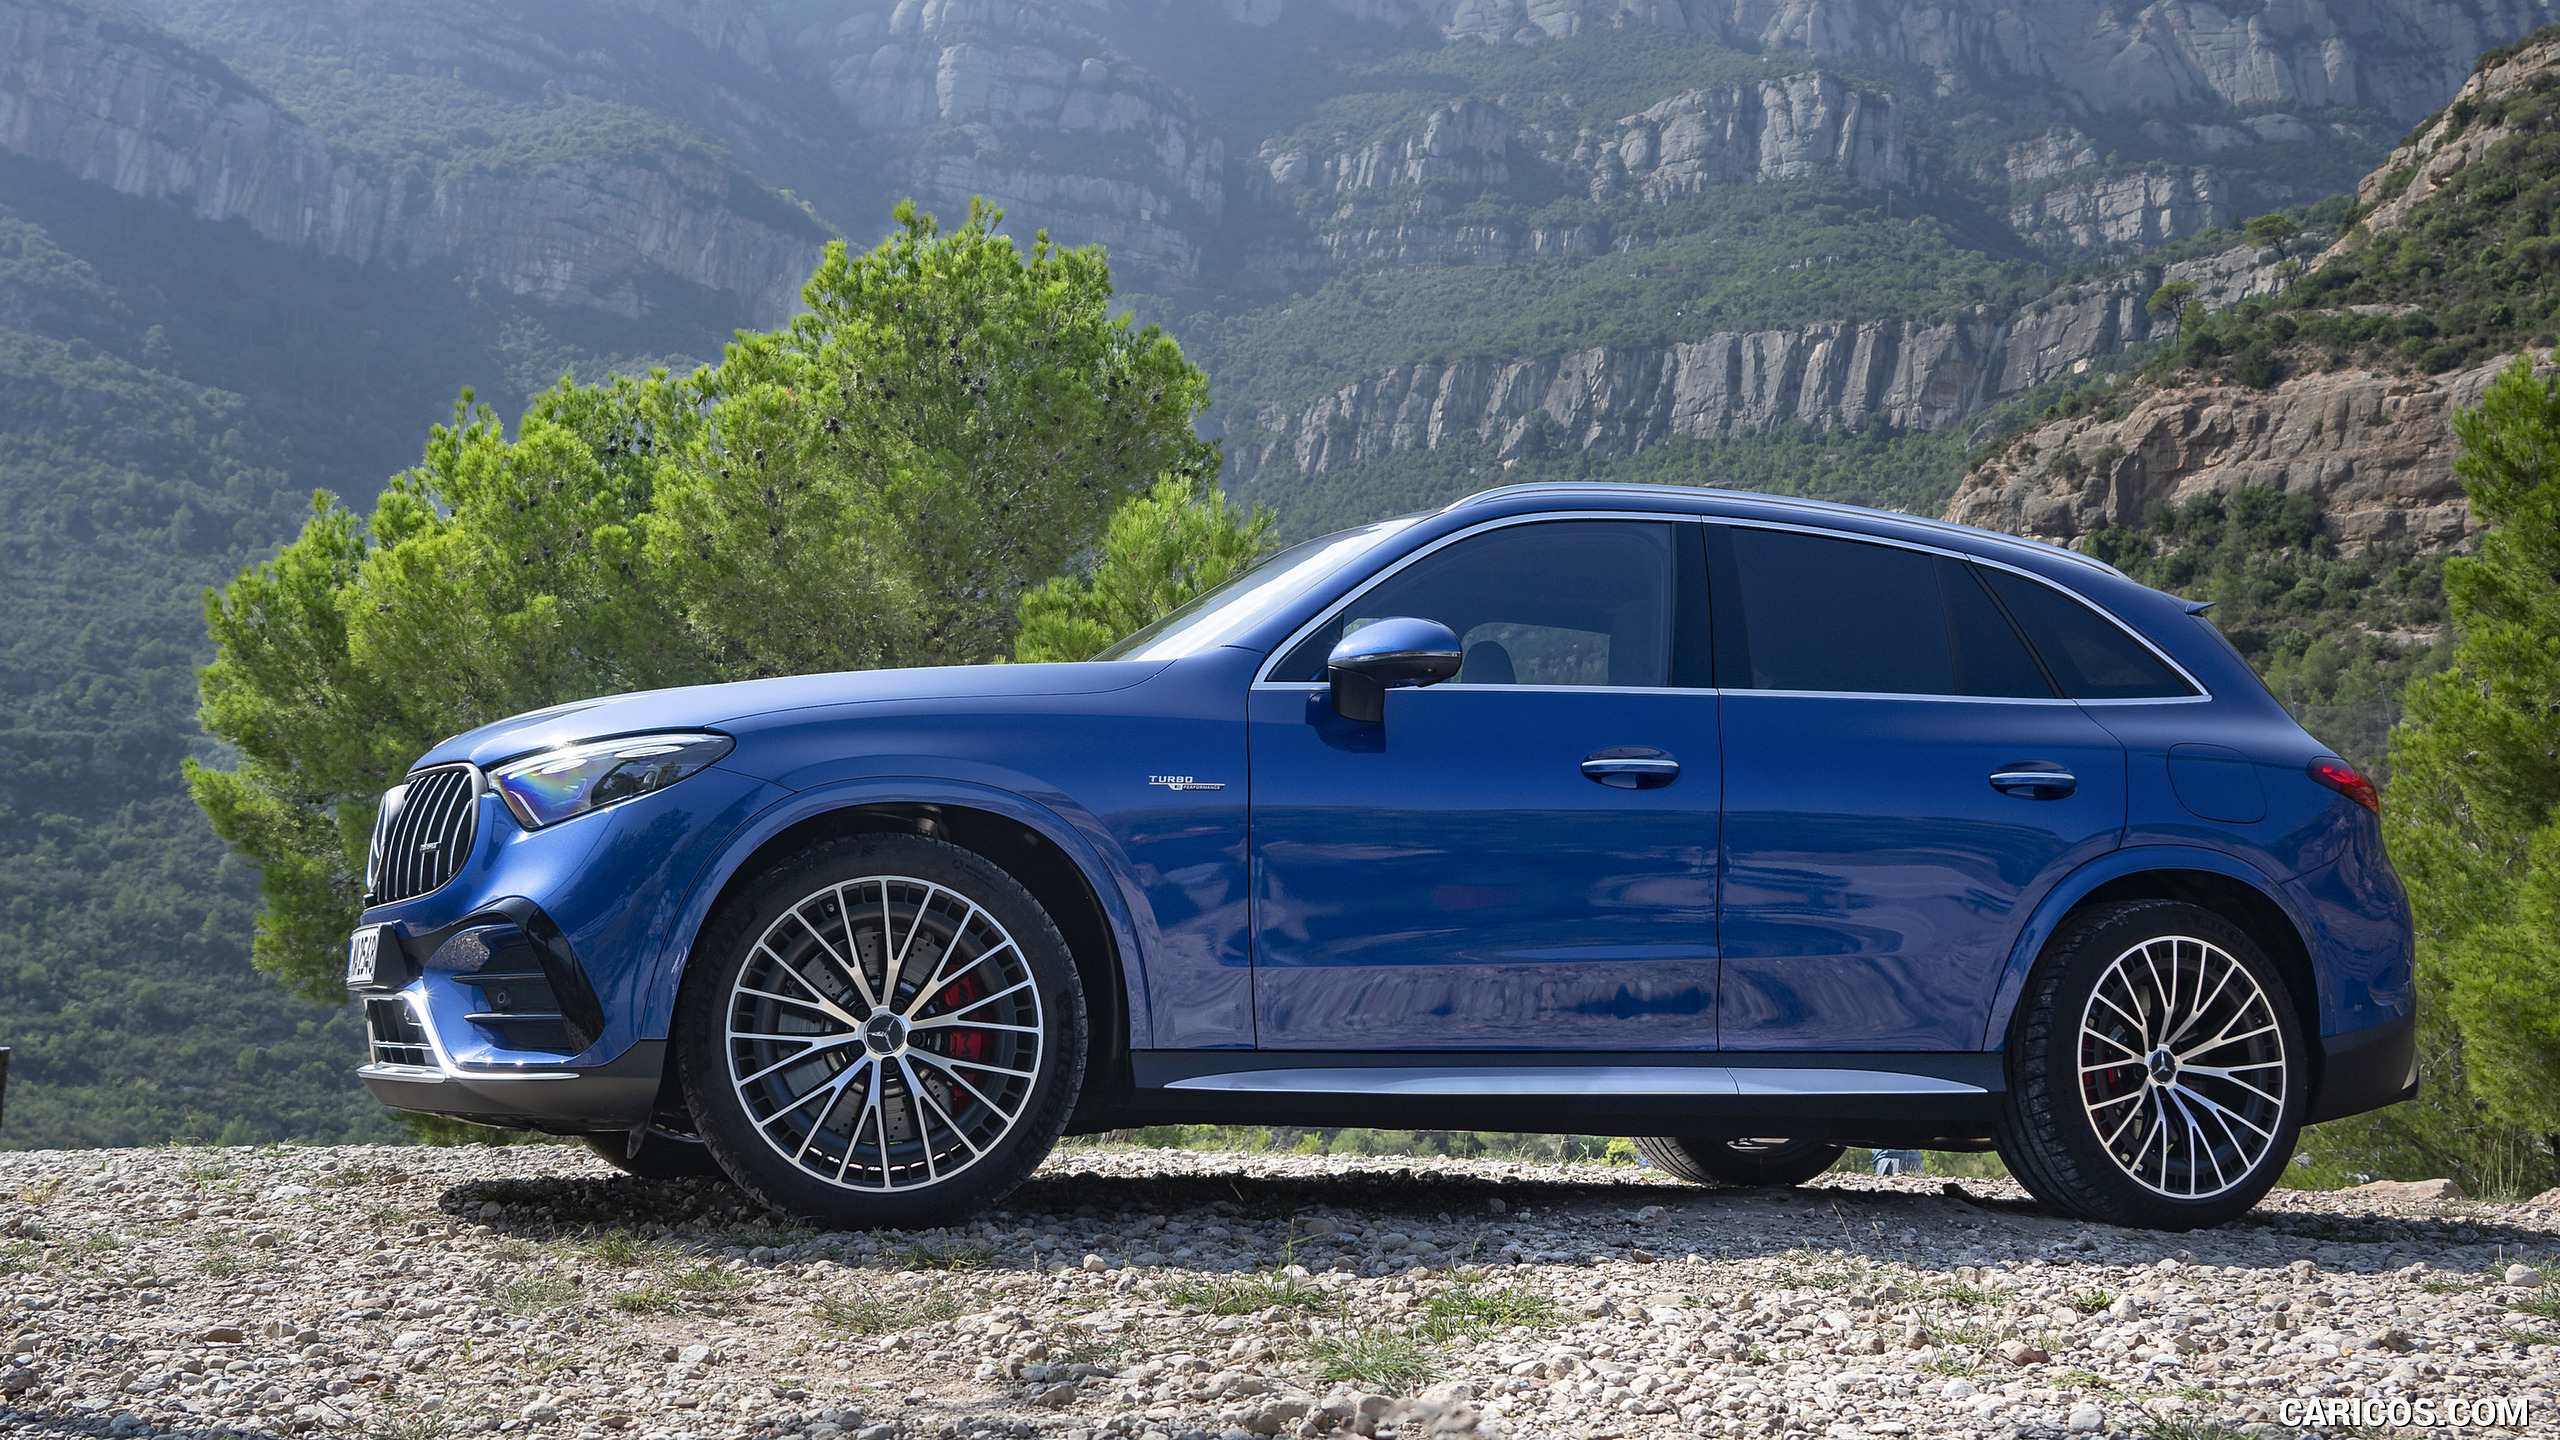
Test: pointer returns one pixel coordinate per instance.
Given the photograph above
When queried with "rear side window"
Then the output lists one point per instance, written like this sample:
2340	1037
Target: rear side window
1561	602
2090	655
1813	612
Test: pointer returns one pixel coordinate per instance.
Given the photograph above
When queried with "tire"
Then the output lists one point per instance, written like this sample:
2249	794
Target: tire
664	1154
2172	1138
941	1098
1740	1162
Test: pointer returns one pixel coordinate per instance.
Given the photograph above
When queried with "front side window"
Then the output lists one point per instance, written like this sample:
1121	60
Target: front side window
1558	602
1819	613
2089	654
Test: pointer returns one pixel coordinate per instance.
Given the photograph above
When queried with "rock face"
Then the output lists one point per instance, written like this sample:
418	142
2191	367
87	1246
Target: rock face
1467	142
968	87
116	102
2451	141
2398	56
2140	210
1617	401
2374	449
1790	129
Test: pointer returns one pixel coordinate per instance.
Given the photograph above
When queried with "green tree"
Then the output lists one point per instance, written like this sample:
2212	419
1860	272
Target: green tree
2170	302
1178	540
877	483
2475	812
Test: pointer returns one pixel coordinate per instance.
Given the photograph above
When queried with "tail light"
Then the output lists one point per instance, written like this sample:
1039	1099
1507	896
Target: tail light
2347	780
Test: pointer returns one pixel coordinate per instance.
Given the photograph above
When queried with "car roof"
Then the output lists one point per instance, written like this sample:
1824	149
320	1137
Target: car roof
1589	489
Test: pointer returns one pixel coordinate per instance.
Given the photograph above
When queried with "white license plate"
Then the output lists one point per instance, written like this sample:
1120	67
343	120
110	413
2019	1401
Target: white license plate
364	955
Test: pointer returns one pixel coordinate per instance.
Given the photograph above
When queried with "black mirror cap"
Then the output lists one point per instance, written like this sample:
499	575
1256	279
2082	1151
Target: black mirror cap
1389	654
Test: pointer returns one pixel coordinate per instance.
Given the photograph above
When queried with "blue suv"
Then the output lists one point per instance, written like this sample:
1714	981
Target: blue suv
1759	827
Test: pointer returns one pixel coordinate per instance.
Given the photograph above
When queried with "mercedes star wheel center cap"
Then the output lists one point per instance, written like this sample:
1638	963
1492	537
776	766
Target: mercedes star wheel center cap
885	1033
2163	1064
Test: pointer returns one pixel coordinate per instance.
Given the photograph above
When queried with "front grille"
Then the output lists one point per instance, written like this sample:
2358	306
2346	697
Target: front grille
398	1038
422	833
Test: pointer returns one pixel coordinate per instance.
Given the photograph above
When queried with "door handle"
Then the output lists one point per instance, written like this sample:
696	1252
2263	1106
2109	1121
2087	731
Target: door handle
2036	784
1630	768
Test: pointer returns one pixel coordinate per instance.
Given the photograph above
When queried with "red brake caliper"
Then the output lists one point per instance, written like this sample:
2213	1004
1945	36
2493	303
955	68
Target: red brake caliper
961	1043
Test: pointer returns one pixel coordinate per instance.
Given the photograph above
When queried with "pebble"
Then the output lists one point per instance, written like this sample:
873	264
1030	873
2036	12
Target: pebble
530	1292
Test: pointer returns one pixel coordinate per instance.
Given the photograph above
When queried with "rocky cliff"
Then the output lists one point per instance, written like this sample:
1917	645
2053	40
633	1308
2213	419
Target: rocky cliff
1017	102
1792	129
2374	449
2459	135
1615	401
2401	57
115	101
2140	210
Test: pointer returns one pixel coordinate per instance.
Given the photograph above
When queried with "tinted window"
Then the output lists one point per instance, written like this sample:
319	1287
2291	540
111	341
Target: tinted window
1564	602
1810	612
2092	656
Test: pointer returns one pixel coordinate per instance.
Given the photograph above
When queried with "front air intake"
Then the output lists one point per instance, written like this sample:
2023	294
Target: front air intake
422	833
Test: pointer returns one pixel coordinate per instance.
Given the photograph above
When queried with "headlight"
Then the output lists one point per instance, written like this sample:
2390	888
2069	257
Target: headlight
548	788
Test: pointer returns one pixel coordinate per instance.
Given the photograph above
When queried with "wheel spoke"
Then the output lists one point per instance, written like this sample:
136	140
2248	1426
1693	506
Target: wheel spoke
915	1087
945	1022
947	1068
2226	1038
925	995
850	967
834	1088
1012	989
822	1004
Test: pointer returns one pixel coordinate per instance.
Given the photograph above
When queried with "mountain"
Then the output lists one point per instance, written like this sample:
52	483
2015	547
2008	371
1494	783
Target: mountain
1891	251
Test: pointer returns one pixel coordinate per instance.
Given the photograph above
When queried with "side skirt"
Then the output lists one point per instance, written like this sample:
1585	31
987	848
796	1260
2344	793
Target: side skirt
1882	1098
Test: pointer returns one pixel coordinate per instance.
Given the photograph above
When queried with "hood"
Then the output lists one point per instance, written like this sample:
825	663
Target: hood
717	707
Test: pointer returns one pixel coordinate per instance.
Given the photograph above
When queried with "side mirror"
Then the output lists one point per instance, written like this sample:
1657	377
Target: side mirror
1388	654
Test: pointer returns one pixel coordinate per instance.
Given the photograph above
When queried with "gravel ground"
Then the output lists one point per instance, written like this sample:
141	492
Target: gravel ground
1166	1295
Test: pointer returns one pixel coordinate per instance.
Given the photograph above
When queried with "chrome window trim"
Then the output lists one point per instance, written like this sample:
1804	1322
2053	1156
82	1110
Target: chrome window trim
2202	692
1595	1081
1262	678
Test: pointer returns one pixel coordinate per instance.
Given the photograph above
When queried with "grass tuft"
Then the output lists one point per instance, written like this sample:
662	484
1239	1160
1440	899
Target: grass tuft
1389	1362
1471	1312
873	1313
1250	1294
2090	1302
534	1293
917	1255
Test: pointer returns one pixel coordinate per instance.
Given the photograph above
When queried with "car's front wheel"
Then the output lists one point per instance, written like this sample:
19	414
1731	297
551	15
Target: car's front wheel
2156	1069
884	1030
1740	1162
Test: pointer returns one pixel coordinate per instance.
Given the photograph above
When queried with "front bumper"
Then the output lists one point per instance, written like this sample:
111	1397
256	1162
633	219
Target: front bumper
568	1100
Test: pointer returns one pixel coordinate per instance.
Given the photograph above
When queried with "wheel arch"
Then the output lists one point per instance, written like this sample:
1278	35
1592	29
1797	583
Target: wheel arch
1027	842
2228	887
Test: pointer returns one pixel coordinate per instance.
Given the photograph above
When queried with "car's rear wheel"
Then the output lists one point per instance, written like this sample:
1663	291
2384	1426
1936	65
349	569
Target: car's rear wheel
2156	1070
662	1154
1740	1162
885	1030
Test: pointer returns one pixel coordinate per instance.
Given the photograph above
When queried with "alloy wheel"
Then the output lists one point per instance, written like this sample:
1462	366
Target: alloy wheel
2182	1067
884	1034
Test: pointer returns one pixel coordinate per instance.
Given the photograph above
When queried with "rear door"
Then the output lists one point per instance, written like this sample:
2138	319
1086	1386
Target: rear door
1903	781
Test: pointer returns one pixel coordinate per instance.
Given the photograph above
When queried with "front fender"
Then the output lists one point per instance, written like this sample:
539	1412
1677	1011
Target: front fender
1084	840
2115	865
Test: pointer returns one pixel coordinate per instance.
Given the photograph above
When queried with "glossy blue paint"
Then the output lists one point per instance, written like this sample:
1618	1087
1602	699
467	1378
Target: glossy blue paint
1872	872
1452	880
2068	893
2216	782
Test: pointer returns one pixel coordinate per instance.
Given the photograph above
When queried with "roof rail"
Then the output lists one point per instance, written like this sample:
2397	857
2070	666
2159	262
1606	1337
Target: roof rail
1603	487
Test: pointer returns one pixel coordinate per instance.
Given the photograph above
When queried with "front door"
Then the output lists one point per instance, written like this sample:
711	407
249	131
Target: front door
1903	782
1522	858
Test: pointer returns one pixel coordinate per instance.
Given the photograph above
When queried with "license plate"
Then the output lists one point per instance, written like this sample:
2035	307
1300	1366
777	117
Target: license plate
364	955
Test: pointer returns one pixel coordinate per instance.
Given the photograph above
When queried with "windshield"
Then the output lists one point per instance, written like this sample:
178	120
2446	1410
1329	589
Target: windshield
1218	616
